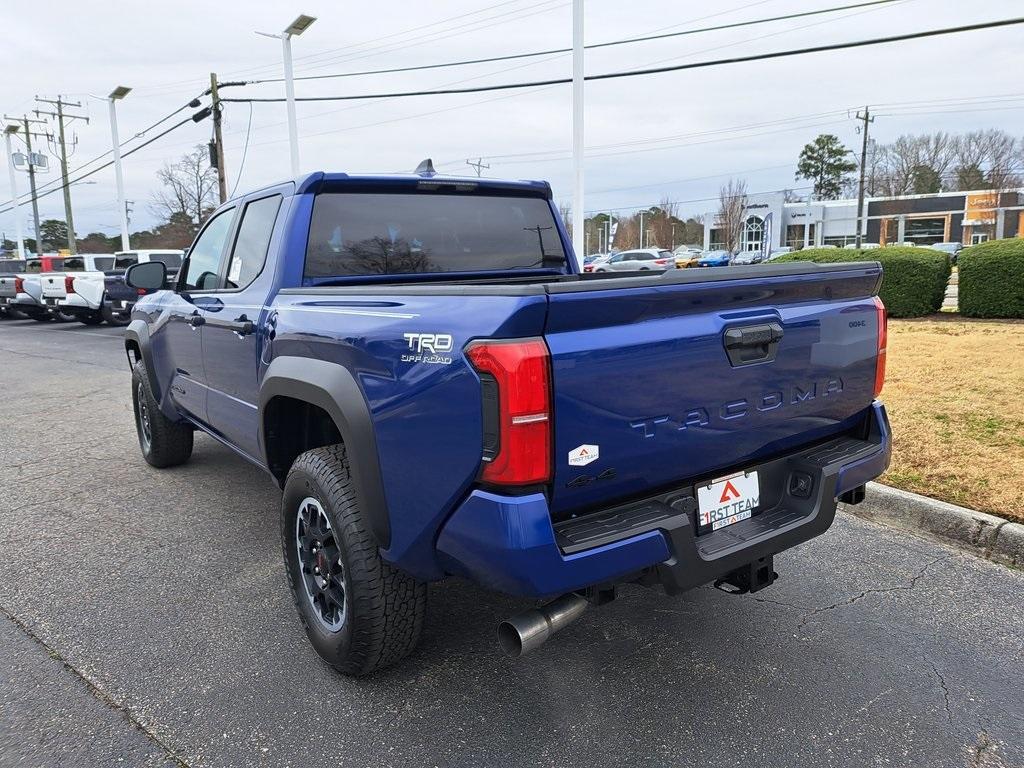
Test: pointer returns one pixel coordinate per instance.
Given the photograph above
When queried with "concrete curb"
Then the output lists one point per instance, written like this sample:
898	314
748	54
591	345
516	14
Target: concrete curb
981	534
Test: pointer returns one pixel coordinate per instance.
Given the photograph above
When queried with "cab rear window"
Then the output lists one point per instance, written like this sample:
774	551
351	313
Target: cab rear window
403	233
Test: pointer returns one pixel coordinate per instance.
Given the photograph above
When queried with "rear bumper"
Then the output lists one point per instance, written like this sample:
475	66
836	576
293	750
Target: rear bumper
73	303
508	543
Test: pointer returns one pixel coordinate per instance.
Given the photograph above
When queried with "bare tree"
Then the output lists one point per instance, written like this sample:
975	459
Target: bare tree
189	188
732	202
565	211
988	160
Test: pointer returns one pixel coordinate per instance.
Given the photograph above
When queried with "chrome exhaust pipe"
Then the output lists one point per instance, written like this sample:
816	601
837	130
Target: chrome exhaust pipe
528	631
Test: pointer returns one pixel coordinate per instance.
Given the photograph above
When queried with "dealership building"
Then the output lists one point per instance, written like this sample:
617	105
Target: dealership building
965	217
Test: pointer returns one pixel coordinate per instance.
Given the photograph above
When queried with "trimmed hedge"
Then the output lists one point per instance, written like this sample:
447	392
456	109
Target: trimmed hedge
992	279
913	279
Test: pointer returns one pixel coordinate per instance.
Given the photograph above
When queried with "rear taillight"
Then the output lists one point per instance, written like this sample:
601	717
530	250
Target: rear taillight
661	262
883	340
140	291
516	383
19	285
69	284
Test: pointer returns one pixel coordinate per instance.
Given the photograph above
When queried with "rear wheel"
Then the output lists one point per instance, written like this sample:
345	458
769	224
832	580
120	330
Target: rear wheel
164	443
360	614
64	317
115	318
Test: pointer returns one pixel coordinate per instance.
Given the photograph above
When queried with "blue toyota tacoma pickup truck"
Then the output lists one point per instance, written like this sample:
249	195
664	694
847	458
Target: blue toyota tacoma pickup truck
439	391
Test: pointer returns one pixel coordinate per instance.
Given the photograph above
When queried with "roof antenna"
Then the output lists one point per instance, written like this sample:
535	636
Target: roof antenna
426	168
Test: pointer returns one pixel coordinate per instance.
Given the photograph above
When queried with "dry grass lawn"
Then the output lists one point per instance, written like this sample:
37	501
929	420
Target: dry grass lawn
955	394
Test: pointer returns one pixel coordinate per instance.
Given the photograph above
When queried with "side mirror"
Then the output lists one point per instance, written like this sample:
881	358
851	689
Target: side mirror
149	276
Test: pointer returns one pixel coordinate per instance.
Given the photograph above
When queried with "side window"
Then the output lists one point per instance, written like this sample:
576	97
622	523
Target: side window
125	260
204	258
252	242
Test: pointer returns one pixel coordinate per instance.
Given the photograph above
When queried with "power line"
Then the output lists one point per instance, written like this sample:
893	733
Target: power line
245	152
94	171
137	135
592	46
660	70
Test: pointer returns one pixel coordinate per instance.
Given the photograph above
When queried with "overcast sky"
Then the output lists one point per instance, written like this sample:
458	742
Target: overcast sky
678	135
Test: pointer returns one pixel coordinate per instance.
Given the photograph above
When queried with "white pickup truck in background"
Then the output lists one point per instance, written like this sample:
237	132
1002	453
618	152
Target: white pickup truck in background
60	293
22	291
81	290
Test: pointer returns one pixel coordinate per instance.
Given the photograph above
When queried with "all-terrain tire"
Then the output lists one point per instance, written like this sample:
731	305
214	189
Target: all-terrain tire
383	607
164	443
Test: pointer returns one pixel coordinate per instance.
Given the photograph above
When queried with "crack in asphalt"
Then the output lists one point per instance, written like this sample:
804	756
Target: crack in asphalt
945	689
102	696
886	590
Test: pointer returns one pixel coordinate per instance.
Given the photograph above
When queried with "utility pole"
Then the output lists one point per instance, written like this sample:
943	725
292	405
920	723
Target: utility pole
218	140
641	229
27	124
867	120
61	117
479	165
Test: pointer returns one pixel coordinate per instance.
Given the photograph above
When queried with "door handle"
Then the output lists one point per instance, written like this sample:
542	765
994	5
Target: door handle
243	326
752	343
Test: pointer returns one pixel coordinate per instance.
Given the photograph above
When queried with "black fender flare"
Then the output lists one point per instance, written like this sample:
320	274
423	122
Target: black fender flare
137	333
334	389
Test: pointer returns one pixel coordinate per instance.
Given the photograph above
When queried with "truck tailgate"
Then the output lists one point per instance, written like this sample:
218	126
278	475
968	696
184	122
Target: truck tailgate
7	287
53	285
677	380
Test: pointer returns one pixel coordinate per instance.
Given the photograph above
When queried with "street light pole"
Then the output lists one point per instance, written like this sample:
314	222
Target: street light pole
578	218
116	95
296	28
289	92
8	132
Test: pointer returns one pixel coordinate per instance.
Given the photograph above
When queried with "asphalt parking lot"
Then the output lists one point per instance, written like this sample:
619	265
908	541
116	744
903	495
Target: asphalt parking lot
145	621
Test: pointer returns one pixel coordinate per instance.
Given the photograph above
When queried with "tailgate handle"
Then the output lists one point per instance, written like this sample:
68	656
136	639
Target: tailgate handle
752	343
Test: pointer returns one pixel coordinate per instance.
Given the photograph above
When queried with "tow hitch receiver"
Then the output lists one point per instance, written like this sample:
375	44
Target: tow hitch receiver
749	578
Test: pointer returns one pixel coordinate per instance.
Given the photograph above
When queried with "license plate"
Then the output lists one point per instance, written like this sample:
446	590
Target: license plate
51	302
727	500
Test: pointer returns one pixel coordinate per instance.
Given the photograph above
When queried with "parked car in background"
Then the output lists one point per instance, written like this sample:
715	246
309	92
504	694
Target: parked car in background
640	260
9	269
714	259
953	249
425	425
83	273
27	288
84	293
687	256
863	246
747	257
594	258
776	252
